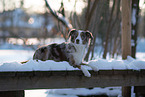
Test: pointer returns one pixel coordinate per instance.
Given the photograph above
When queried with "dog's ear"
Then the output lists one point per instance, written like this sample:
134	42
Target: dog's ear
71	32
89	34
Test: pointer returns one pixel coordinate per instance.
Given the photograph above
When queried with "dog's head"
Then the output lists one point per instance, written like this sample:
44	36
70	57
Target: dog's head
80	37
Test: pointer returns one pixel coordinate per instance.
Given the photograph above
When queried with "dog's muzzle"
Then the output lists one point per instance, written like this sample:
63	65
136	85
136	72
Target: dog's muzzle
77	41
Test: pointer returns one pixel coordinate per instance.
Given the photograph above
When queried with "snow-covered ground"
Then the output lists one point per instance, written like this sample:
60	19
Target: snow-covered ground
10	53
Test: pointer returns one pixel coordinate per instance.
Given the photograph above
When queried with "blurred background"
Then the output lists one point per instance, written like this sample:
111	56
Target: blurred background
27	24
30	23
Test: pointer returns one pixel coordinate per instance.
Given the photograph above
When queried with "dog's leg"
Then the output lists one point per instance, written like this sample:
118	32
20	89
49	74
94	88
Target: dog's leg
92	66
72	63
85	71
71	60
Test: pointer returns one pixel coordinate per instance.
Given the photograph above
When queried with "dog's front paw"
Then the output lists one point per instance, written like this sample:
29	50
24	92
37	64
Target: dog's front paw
85	71
91	65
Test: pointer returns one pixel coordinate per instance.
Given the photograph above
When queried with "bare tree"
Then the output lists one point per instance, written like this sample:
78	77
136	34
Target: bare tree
134	22
108	31
89	16
59	16
90	12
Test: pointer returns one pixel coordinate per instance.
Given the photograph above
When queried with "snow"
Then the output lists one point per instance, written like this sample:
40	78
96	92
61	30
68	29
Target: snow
35	93
101	64
109	91
133	16
33	65
132	42
95	65
137	65
49	65
129	63
133	32
140	47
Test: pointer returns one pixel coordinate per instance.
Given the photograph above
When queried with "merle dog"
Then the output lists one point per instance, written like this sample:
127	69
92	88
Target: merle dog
72	51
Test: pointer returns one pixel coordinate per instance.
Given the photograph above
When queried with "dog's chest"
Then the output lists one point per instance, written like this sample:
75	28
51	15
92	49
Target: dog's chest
79	54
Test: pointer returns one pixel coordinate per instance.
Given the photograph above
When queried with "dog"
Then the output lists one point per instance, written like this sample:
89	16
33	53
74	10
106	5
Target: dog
72	51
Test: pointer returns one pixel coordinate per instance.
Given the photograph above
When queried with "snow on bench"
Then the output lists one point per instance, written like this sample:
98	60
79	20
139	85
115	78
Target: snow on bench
50	65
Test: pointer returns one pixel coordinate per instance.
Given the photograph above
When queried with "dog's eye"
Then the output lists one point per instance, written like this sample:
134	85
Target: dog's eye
72	39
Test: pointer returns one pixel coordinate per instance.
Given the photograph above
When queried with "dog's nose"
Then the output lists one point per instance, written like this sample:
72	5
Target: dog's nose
77	41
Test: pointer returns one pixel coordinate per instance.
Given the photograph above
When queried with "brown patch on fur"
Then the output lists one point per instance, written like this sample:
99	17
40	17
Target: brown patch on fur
73	34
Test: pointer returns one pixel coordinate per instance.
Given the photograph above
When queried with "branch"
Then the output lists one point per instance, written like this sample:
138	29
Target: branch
90	14
59	16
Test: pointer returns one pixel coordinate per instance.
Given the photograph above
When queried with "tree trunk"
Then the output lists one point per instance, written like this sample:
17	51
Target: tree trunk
88	16
90	13
108	32
134	22
126	38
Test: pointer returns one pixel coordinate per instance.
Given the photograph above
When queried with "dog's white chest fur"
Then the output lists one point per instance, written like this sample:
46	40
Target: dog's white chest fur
79	54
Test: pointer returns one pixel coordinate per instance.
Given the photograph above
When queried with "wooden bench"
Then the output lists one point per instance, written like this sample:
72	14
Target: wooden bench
15	81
